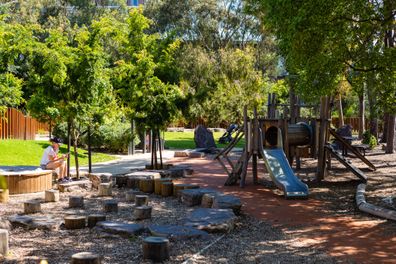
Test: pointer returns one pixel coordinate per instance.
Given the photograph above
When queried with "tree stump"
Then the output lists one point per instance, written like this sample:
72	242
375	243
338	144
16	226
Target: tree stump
132	182
105	189
207	200
110	206
146	185
3	242
121	181
141	200
156	248
157	184
31	207
86	258
4	195
166	189
94	218
74	222
130	195
52	196
183	186
142	212
76	201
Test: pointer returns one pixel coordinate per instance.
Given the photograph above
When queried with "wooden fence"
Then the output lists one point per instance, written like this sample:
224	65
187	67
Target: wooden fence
15	125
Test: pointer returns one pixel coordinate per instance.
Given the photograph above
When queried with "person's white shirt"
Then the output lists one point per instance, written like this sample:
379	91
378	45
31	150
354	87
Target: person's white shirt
48	152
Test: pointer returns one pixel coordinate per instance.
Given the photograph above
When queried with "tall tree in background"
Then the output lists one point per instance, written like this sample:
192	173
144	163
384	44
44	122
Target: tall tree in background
320	40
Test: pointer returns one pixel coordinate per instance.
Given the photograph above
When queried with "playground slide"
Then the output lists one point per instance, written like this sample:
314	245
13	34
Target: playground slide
346	163
282	174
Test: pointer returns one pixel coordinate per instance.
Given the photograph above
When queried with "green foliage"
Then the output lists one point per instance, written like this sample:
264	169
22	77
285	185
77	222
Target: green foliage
29	152
10	91
369	139
323	41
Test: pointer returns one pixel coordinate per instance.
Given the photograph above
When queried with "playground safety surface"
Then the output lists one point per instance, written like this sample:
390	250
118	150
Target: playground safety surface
329	219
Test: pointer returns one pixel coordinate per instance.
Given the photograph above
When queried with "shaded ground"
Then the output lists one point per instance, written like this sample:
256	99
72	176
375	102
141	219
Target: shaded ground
329	219
252	241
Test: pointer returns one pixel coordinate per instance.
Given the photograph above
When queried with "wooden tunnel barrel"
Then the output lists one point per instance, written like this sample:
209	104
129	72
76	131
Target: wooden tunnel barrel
298	134
27	181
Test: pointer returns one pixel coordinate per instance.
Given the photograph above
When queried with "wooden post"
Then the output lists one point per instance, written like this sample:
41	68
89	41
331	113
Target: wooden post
94	218
110	206
89	151
105	189
3	242
32	207
142	212
166	189
361	115
75	221
52	196
246	150
324	108
76	201
68	147
86	258
4	195
156	248
146	185
255	145
141	200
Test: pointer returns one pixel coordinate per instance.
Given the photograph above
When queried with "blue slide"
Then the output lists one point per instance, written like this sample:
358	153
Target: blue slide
282	174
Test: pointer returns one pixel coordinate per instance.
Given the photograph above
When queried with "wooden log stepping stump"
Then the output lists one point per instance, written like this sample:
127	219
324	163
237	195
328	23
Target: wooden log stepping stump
31	207
98	178
183	186
85	258
74	185
146	185
207	200
121	181
166	189
75	221
4	195
51	196
94	218
105	189
228	202
76	201
141	200
158	184
142	212
192	197
110	206
4	242
130	195
156	248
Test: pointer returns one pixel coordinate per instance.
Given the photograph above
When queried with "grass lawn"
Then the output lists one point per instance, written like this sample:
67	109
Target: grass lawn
29	152
185	140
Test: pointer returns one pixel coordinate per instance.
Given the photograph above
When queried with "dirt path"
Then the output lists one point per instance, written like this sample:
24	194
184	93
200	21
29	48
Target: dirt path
351	236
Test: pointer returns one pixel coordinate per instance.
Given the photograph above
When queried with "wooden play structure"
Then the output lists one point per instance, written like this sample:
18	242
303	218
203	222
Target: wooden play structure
280	141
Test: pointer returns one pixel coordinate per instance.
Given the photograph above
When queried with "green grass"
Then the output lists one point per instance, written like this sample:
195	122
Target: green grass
29	152
185	140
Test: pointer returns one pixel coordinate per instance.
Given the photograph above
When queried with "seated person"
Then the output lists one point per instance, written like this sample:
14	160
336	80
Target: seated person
51	161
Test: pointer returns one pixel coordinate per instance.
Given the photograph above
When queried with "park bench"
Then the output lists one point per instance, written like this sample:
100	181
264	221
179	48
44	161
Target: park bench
361	148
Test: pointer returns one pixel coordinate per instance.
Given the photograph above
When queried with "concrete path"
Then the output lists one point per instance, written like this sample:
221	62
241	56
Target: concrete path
125	163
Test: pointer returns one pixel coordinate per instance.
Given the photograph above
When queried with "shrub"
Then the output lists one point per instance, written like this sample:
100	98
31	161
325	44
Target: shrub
369	139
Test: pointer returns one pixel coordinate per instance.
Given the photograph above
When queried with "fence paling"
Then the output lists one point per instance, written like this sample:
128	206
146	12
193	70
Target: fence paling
15	125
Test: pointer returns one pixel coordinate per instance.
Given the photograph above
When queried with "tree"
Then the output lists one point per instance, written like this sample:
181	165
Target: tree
322	40
148	99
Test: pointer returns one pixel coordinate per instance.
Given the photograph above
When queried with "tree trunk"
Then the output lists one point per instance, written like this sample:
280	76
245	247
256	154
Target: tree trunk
385	128
361	115
75	137
372	107
68	146
160	148
50	129
390	140
340	111
89	151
